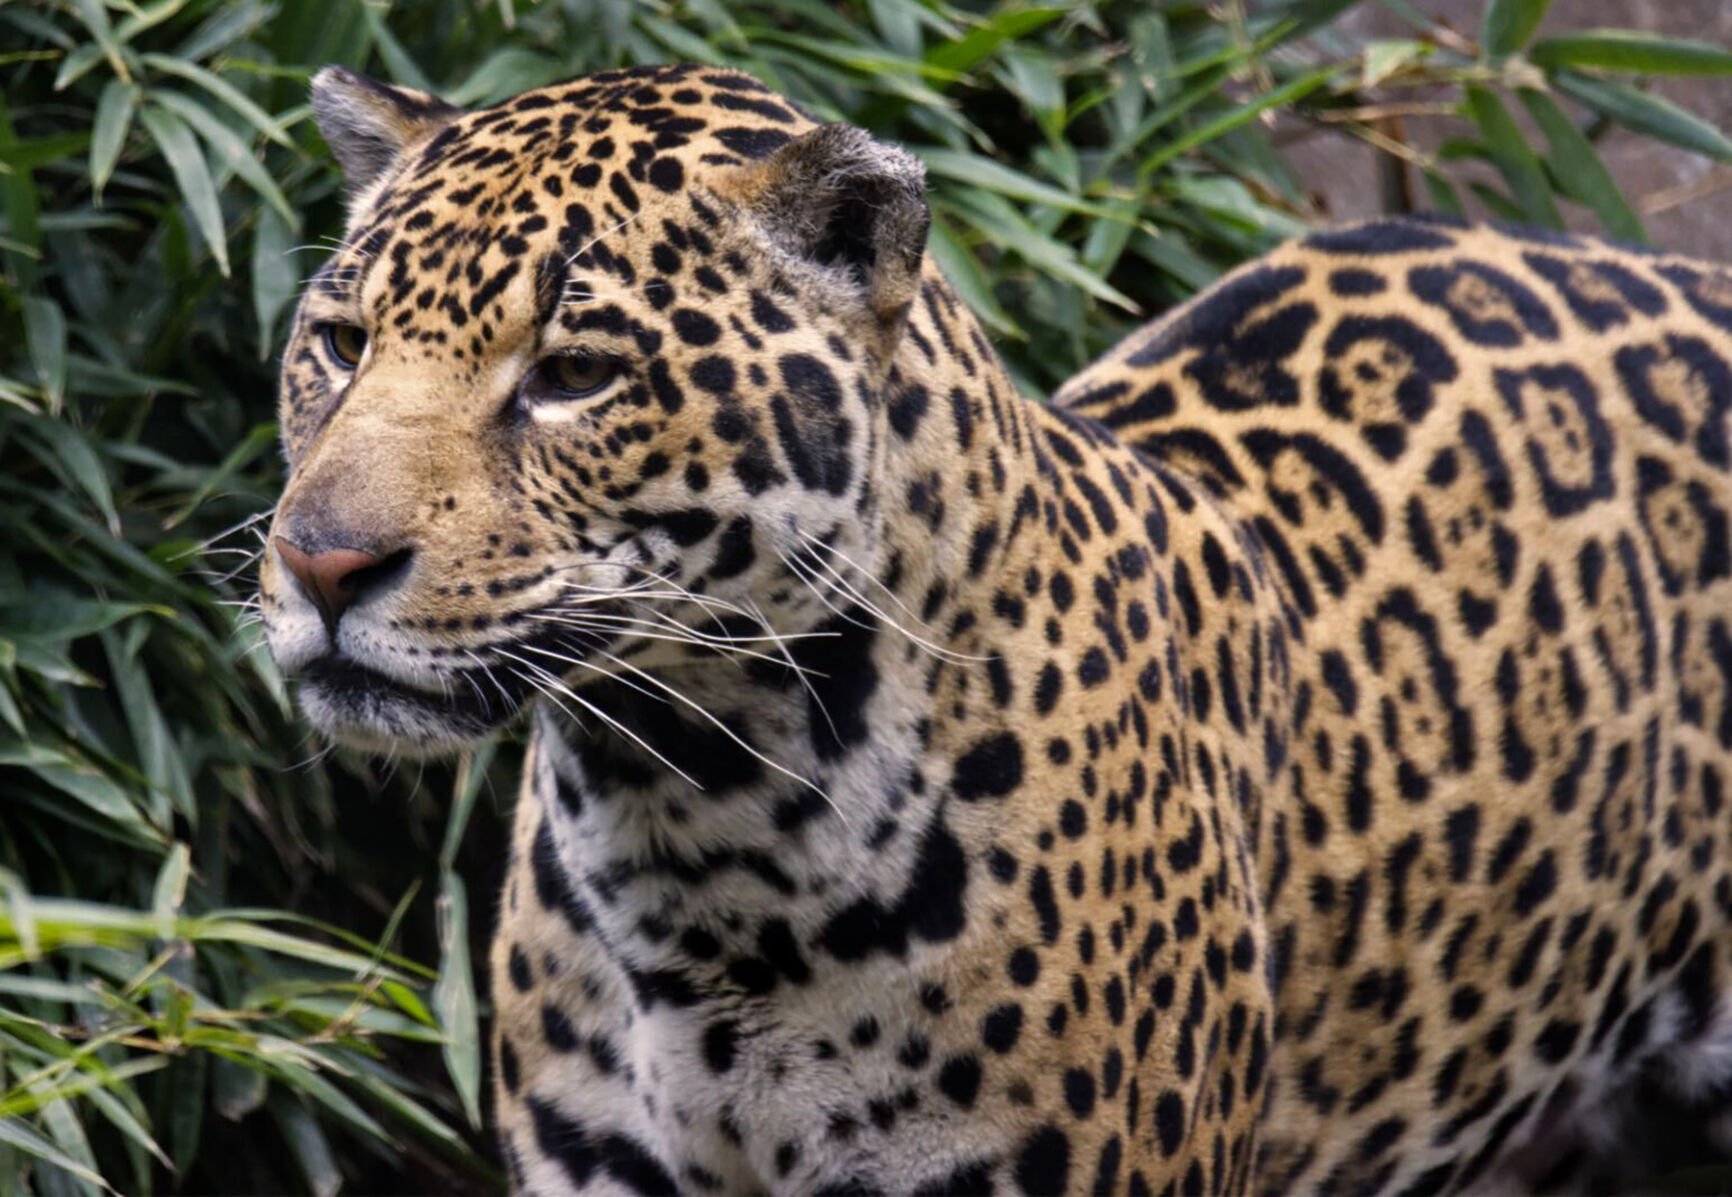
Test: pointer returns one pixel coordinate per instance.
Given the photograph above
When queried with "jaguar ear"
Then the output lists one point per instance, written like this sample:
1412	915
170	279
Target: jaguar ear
841	200
368	123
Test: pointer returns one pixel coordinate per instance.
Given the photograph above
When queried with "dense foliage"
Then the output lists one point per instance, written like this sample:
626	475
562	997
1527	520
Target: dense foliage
210	931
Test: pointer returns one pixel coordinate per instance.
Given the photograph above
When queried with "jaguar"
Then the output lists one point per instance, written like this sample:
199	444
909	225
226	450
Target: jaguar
1292	760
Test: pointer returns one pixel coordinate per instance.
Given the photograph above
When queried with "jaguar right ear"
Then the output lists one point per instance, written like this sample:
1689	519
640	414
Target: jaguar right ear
368	123
838	198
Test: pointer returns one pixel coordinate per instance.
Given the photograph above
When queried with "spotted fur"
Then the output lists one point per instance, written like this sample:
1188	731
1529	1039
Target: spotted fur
1294	760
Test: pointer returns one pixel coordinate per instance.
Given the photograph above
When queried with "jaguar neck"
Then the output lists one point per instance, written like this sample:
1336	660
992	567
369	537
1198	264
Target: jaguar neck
764	788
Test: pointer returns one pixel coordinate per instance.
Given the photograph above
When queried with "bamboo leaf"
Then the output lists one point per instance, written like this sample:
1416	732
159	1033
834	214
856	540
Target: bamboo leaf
222	90
18	1135
45	332
981	42
1633	51
454	996
963	270
1514	161
1507	25
192	174
995	176
230	150
114	112
1646	114
1238	117
1579	171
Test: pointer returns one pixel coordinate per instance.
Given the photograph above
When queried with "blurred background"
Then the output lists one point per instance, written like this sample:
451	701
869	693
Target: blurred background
231	962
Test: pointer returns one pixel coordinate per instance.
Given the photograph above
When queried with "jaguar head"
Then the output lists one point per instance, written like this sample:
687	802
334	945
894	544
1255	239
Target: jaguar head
592	384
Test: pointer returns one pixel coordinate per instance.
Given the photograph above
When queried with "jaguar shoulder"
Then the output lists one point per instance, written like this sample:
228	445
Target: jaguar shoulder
1295	760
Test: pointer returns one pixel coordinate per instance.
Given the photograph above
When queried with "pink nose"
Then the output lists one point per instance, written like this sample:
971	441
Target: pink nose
332	578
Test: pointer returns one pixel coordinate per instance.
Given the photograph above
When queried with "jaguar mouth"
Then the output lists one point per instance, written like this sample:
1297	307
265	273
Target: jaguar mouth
366	709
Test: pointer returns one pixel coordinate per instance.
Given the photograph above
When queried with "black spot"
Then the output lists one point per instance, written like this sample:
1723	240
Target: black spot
1001	1027
992	768
720	1041
667	174
808	378
966	1180
842	679
582	1155
552	889
931	908
1079	1091
752	143
1170	1121
695	328
1393	236
1043	1164
556	1028
517	966
959	1079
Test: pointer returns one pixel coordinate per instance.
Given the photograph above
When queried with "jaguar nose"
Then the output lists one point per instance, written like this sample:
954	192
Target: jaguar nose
334	579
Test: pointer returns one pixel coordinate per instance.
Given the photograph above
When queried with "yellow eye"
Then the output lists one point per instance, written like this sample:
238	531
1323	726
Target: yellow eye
345	343
569	376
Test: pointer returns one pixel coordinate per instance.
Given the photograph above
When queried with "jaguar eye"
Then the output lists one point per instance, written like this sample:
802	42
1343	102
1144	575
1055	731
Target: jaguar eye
569	376
345	343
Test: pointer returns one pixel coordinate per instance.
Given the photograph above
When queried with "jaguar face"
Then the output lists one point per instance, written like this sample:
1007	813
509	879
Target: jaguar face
593	377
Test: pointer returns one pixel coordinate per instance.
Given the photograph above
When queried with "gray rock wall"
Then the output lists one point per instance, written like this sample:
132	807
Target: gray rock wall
1685	199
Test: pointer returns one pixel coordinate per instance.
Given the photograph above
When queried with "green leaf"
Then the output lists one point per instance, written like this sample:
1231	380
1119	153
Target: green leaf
454	996
312	1151
979	43
398	62
108	134
170	890
192	174
230	150
1506	25
89	788
1578	169
1514	161
226	25
1011	231
237	1090
72	456
988	175
64	618
963	270
1632	50
45	333
1442	194
1645	114
23	217
222	90
258	440
1239	116
158	758
17	1134
94	18
274	279
147	18
1383	58
41	151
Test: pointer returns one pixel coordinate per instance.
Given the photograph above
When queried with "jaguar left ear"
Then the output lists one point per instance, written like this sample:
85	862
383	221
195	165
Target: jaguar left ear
838	199
368	123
